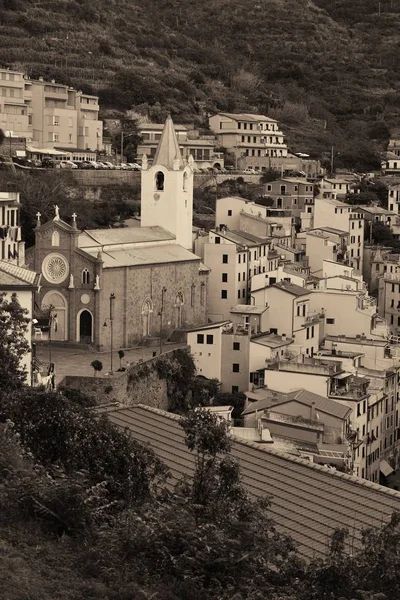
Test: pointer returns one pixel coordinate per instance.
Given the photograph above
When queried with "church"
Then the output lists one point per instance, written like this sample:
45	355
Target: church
115	287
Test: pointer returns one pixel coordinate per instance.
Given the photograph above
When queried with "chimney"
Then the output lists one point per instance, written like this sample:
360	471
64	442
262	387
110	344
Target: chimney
312	411
283	336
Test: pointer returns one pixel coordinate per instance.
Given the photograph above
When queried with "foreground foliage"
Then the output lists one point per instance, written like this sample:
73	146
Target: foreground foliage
84	515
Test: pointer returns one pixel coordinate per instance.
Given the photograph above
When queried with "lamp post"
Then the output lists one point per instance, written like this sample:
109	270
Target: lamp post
111	319
161	315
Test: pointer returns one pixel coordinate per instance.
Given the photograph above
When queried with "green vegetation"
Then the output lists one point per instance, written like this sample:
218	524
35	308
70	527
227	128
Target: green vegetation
41	190
327	70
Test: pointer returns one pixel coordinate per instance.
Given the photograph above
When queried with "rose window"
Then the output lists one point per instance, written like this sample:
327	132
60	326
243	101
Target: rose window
55	268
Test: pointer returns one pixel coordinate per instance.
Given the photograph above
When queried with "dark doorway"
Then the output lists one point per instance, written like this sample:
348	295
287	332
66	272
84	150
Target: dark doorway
85	327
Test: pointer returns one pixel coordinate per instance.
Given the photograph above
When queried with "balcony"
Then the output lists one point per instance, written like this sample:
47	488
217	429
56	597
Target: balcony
348	387
314	317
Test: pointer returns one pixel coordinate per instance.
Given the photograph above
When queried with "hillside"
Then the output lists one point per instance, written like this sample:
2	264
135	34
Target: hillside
326	68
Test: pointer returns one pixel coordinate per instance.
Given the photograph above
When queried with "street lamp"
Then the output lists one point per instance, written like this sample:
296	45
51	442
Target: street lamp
111	319
161	315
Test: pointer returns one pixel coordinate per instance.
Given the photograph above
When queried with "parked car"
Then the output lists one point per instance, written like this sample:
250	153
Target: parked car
48	163
67	164
85	164
134	166
250	171
104	165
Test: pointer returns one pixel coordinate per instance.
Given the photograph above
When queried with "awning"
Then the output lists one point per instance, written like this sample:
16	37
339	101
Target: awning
51	151
385	468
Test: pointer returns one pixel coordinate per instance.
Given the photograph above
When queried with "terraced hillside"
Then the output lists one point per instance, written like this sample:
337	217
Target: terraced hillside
324	68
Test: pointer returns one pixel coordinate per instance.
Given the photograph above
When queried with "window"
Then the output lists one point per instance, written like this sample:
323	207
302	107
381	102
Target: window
312	331
159	181
304	310
55	137
238	276
200	338
210	339
244	293
55	238
308	333
229	213
236	345
235	389
238	294
56	120
217	240
85	276
330	321
224	294
235	368
225	259
224	277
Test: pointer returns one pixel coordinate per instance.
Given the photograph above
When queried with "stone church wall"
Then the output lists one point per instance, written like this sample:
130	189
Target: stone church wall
133	286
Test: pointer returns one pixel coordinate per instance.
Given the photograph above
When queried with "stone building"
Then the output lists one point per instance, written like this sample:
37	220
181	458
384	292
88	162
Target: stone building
114	287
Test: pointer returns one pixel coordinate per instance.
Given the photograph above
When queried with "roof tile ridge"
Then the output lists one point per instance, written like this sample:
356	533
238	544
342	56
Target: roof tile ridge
302	461
158	411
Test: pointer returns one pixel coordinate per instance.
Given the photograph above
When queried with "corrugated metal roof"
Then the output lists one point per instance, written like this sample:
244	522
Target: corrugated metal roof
308	501
20	275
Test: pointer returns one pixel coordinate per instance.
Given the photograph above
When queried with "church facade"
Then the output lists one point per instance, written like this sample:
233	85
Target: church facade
114	287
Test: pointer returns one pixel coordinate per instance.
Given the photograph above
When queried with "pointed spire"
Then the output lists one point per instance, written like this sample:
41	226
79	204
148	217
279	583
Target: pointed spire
168	153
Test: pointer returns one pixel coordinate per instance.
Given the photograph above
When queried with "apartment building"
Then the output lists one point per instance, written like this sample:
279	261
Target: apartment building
237	213
389	298
377	361
233	258
12	248
330	380
347	220
317	427
221	350
255	137
290	193
203	150
15	112
49	115
334	188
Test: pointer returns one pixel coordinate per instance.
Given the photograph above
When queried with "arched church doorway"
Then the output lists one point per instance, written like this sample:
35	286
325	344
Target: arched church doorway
85	331
57	304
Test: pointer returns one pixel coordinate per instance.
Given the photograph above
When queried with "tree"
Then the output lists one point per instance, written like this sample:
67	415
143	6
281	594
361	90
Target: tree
270	175
13	343
237	400
97	366
59	429
2	137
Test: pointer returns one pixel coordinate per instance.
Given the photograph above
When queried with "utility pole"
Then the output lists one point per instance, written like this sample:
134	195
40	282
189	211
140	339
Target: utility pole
122	147
370	232
332	165
112	298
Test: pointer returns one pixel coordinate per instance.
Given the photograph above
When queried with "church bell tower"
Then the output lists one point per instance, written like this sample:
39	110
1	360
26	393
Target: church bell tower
167	189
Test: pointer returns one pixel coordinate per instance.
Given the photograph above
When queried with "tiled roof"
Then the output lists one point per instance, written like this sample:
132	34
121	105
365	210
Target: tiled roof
308	501
291	288
125	235
11	274
144	255
331	407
